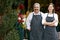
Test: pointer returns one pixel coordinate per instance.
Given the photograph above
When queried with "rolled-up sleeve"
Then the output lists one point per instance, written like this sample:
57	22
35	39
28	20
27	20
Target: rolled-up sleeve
28	21
44	18
56	19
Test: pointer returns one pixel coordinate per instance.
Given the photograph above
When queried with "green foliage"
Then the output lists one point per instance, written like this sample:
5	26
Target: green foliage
12	35
7	30
8	26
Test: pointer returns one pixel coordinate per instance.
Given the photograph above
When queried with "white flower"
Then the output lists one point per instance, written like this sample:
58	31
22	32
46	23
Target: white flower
19	18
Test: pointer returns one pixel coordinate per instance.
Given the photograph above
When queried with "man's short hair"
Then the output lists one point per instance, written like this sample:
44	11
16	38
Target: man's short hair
36	4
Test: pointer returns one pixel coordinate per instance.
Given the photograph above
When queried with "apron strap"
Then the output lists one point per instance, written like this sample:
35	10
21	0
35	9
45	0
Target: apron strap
53	14
47	15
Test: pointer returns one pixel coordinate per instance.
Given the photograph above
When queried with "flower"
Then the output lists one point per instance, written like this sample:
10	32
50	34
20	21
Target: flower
20	18
21	6
21	15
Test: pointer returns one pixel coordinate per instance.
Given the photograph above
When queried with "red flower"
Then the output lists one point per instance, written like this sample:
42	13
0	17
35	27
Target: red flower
21	6
20	15
20	21
20	18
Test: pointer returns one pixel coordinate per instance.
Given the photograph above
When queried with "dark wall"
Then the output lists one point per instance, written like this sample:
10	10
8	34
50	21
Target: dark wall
26	5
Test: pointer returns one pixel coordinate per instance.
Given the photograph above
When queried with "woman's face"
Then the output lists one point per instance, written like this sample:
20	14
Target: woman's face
50	8
36	8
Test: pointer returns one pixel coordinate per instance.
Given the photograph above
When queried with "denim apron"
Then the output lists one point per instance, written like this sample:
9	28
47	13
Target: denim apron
36	32
50	33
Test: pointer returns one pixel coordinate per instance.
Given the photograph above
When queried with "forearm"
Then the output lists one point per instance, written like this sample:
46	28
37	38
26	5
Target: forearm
49	23
28	27
52	24
28	24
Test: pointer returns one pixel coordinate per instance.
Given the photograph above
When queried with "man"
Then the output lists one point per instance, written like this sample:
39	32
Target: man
34	23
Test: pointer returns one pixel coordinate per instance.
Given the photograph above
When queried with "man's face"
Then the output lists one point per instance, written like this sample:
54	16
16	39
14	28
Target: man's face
36	8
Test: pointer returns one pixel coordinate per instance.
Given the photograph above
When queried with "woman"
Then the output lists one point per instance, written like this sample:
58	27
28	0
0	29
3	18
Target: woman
50	21
34	23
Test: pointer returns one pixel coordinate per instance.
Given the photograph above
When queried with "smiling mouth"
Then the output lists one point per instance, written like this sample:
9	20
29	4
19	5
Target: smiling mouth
36	9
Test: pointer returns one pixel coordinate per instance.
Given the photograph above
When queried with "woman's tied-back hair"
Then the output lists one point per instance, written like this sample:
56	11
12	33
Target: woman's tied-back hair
53	6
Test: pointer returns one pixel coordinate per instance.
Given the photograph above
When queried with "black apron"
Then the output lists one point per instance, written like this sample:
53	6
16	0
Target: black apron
36	32
50	33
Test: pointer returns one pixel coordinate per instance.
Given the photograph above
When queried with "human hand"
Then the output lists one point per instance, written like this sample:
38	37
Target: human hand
29	29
